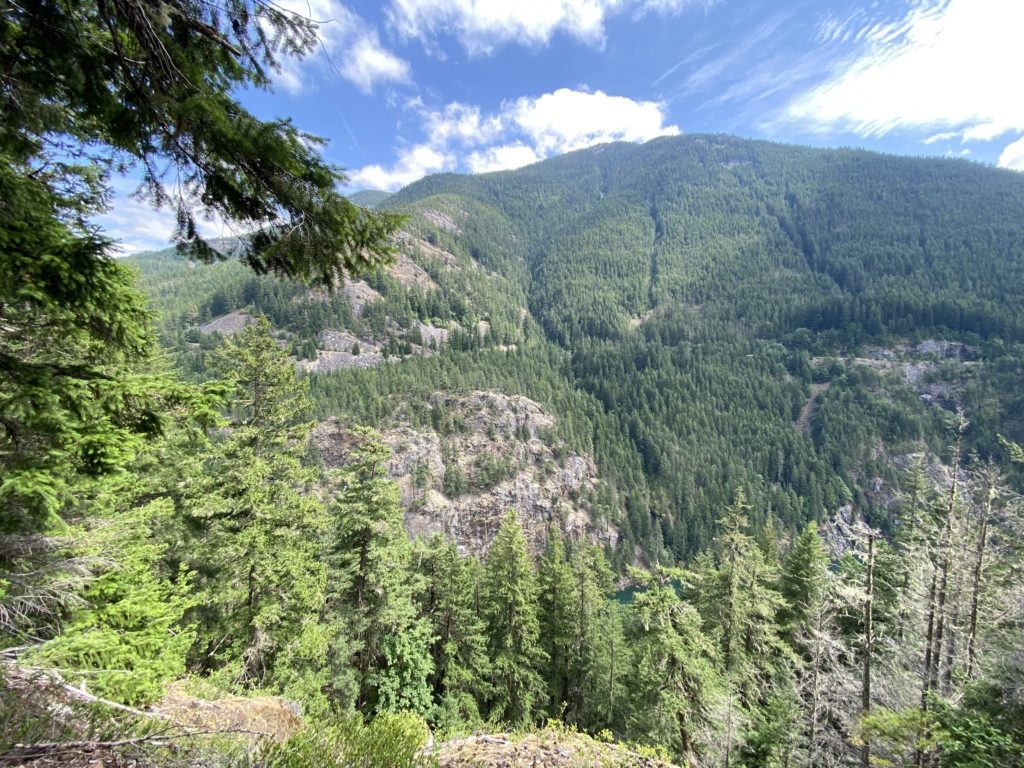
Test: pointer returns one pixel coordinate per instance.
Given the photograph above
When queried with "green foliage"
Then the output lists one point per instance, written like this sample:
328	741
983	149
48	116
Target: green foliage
137	68
900	734
128	640
513	629
373	590
556	603
391	740
458	643
260	575
697	315
735	595
73	393
674	683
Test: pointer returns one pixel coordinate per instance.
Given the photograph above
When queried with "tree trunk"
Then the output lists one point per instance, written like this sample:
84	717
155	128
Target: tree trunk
869	641
977	576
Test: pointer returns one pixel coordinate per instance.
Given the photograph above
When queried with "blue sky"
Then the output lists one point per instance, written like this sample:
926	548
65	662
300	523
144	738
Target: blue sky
404	88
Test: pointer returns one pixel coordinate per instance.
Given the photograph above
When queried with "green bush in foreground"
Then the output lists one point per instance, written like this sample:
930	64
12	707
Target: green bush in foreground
391	740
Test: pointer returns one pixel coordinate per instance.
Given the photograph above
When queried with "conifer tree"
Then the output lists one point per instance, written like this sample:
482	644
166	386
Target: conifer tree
371	607
153	82
127	639
261	575
736	597
599	657
812	602
513	627
146	83
458	632
76	392
735	593
557	631
674	685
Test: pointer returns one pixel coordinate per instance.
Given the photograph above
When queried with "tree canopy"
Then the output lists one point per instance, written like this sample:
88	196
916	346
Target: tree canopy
88	89
110	83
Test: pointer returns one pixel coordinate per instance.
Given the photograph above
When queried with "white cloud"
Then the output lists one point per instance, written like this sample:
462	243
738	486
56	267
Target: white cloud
712	72
943	136
948	64
523	131
665	7
503	158
567	120
413	163
983	132
1013	156
346	37
365	63
462	123
483	25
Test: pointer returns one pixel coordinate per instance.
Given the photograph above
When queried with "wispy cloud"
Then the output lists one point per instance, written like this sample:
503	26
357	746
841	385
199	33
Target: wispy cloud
525	130
482	26
348	46
735	58
945	67
695	56
942	136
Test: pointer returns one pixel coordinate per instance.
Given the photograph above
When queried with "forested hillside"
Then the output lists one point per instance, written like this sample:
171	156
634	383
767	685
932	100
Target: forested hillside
782	380
699	314
703	452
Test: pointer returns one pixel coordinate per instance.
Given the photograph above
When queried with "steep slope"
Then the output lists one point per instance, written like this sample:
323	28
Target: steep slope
477	456
697	314
703	284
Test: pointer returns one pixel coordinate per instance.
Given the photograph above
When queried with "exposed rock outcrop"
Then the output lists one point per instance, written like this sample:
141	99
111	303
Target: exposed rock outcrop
473	457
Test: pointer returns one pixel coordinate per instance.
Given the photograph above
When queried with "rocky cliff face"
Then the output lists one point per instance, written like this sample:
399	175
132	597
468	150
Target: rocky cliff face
479	455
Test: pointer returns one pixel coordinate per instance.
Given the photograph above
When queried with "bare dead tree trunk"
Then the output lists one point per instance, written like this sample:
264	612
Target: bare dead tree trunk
920	757
812	725
937	595
869	642
977	573
946	546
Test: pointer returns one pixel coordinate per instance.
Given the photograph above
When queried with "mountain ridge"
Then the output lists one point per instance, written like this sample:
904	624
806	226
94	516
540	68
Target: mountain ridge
685	296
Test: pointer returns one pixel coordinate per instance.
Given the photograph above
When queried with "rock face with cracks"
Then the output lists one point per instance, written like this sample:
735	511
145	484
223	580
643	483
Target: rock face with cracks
480	455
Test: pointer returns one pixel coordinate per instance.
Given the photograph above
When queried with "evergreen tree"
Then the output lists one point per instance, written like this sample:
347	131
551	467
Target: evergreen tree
371	606
152	82
458	632
75	392
599	658
808	617
147	83
513	628
735	593
674	684
736	596
557	631
127	639
261	575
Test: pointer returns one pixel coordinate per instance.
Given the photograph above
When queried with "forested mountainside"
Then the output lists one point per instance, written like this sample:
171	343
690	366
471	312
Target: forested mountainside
697	314
782	381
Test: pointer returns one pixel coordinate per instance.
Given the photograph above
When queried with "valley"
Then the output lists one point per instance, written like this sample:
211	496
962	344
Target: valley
698	451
